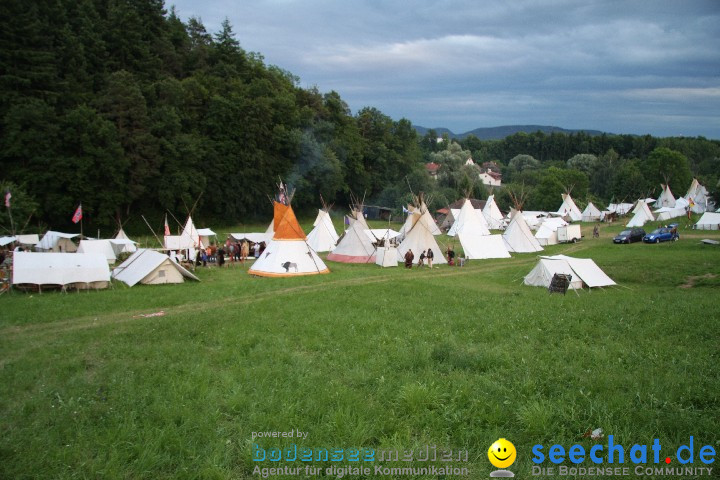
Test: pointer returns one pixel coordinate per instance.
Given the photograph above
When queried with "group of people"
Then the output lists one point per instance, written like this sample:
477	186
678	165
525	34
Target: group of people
428	256
235	252
424	255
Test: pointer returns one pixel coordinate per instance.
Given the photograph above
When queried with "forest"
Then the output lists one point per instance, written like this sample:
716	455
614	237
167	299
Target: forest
128	110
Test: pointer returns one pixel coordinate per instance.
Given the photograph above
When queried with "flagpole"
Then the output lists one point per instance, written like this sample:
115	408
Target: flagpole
8	195
81	221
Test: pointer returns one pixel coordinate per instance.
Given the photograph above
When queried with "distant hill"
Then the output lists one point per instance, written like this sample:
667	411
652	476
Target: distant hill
498	133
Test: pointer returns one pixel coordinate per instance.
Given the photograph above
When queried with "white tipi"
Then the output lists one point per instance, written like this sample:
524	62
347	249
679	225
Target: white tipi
642	215
469	221
591	213
518	237
323	237
492	214
666	198
420	235
354	246
697	197
569	209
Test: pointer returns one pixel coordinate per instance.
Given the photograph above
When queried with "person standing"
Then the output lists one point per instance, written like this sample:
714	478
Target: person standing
220	257
409	257
430	256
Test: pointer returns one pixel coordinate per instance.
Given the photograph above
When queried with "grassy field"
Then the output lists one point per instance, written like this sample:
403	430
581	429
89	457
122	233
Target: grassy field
362	358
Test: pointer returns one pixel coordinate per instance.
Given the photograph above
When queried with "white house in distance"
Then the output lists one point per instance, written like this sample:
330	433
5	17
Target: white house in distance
490	174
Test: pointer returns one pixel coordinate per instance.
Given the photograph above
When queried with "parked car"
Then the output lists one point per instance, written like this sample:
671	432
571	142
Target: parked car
629	236
664	234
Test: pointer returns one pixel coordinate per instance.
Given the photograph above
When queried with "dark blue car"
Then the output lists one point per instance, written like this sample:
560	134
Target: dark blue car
664	234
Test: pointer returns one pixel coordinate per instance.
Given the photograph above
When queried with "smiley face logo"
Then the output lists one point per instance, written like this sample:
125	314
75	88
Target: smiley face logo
502	453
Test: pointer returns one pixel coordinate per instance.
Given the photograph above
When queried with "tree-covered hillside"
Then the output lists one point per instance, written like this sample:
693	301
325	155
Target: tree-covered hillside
127	109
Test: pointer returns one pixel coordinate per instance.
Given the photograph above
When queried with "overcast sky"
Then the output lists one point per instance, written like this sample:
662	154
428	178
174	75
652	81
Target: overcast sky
618	66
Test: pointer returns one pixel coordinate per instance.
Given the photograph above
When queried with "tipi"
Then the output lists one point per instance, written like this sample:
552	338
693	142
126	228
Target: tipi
420	237
697	197
666	198
569	209
518	237
493	215
642	215
469	221
288	253
591	213
323	236
128	246
354	246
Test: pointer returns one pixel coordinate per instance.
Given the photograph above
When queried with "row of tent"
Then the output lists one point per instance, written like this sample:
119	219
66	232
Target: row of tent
91	271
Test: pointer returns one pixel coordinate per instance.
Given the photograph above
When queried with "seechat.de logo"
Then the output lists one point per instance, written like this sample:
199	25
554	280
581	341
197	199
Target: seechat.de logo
502	454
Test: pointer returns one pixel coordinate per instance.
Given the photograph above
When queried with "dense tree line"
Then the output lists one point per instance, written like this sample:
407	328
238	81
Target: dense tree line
124	107
600	168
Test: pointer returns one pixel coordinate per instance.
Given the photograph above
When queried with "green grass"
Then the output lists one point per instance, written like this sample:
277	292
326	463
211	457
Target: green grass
363	357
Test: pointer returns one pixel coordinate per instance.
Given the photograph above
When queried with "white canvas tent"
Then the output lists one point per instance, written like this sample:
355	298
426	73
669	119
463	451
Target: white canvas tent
413	217
584	271
384	235
323	236
24	240
642	215
205	235
69	270
103	247
491	212
287	254
420	236
483	246
591	213
250	237
534	218
698	197
354	246
128	246
150	268
57	242
386	257
568	209
547	232
518	237
666	198
667	213
620	208
469	221
708	221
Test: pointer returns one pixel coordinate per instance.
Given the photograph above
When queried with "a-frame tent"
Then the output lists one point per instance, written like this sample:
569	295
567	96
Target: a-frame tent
354	246
518	237
288	253
150	268
323	237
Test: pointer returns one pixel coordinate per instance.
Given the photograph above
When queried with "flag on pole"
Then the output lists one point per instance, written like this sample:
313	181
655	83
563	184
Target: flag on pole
167	227
77	216
8	196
